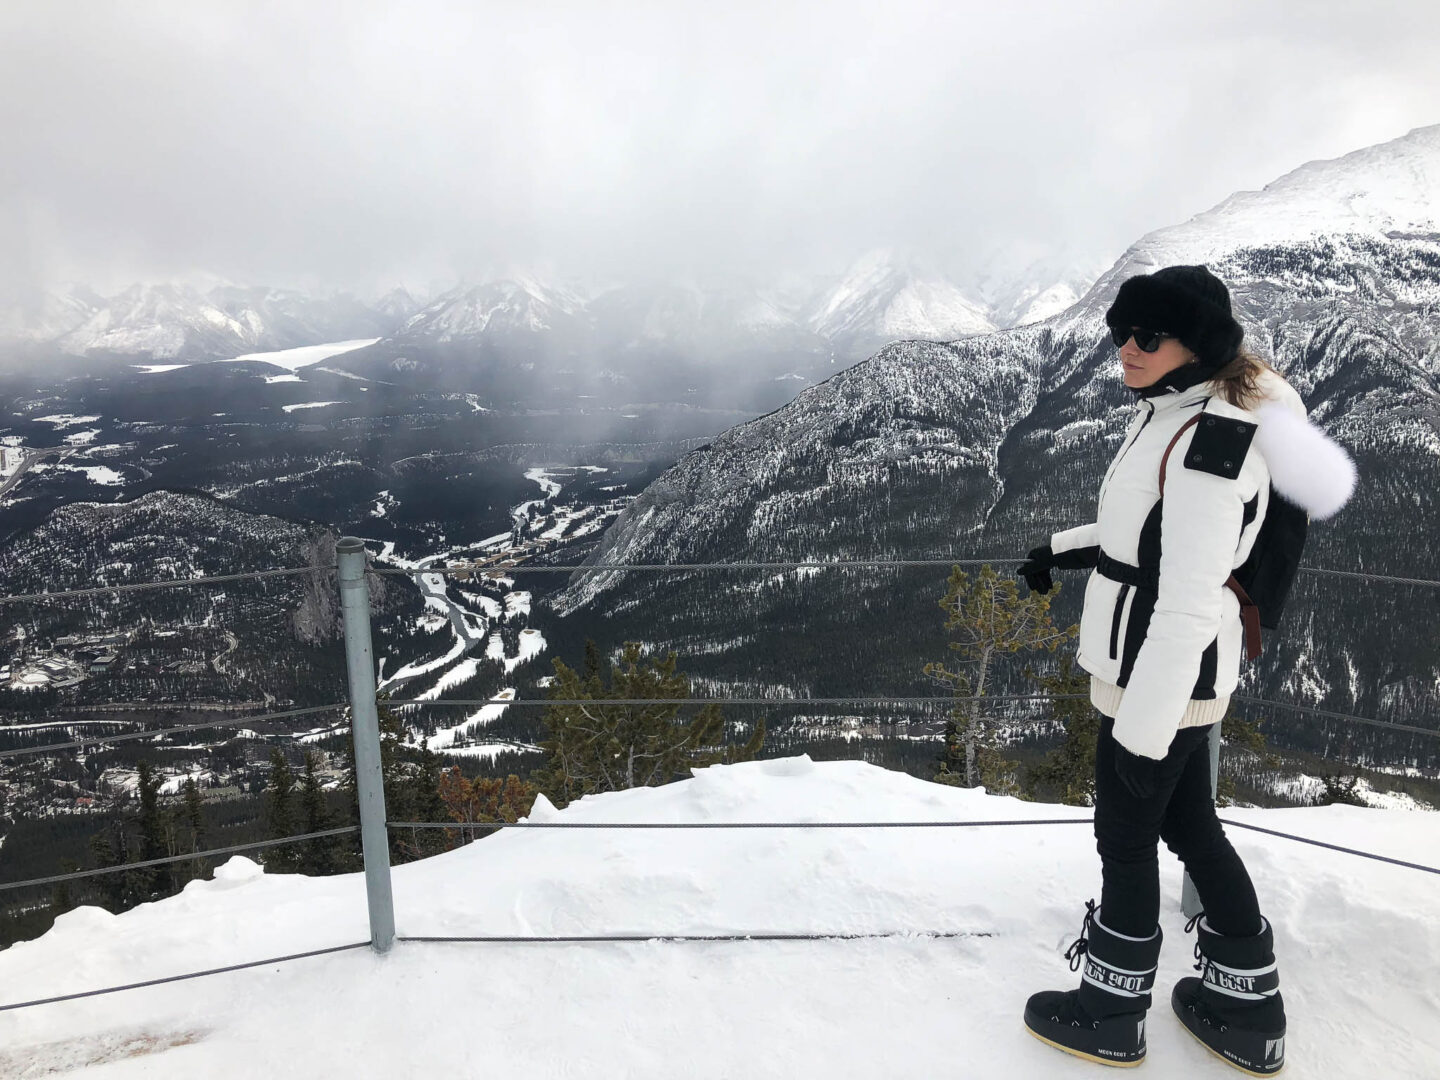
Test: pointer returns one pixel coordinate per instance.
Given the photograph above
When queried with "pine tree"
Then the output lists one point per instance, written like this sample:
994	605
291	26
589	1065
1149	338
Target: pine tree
599	747
485	798
1068	772
986	618
151	882
191	822
1243	735
108	848
316	856
280	814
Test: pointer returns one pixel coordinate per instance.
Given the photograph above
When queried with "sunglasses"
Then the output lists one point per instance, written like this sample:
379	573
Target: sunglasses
1147	340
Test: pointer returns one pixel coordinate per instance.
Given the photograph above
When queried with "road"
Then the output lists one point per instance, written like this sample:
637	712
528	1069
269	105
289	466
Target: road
31	457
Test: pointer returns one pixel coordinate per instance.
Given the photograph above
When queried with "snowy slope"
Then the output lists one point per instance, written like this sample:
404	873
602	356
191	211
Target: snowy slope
1358	943
1390	191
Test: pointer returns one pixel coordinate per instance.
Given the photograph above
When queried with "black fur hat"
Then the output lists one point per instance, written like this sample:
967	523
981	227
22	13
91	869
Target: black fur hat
1187	301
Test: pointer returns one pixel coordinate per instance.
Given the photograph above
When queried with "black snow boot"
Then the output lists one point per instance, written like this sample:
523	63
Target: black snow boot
1235	1008
1104	1020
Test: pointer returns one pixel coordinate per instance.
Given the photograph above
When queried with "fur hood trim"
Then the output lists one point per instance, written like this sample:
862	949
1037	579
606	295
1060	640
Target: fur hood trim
1307	467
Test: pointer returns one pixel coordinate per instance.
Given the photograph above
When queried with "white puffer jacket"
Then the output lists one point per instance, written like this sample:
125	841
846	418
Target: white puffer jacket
1166	655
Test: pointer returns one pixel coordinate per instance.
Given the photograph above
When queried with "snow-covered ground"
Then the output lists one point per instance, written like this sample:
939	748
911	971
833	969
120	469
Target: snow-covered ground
96	474
65	420
1358	944
445	737
295	359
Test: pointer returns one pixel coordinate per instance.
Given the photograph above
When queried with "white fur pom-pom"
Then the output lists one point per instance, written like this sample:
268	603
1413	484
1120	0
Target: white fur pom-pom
1306	466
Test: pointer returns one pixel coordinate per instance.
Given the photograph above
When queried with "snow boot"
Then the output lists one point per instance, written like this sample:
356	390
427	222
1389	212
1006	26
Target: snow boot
1104	1020
1235	1008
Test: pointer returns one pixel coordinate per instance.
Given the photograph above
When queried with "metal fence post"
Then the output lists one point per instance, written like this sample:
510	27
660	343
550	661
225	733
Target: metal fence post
1189	898
365	729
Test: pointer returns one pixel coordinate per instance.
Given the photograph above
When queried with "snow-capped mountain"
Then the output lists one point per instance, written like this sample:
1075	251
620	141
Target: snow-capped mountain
978	447
506	311
168	321
881	298
397	305
48	314
884	297
1019	290
164	321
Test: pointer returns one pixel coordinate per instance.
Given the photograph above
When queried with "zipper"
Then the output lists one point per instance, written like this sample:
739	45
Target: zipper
1121	456
1115	621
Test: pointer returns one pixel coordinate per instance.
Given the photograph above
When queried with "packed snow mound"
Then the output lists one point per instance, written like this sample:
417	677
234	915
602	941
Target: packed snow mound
1358	943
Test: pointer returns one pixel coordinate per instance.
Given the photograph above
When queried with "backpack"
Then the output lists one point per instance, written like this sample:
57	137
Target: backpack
1262	582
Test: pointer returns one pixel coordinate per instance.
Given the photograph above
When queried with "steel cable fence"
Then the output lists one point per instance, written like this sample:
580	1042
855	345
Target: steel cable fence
191	857
498	567
485	568
475	826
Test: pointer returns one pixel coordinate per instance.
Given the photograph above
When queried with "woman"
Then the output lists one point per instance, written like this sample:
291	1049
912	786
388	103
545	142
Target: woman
1161	636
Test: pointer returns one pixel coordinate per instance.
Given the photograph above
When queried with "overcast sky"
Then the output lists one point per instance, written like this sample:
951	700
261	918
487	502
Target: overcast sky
355	144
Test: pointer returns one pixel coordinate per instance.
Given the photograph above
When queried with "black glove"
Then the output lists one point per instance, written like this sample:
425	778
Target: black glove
1137	773
1036	569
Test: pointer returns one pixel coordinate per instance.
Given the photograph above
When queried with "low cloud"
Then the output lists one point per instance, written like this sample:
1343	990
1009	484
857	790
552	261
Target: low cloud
355	144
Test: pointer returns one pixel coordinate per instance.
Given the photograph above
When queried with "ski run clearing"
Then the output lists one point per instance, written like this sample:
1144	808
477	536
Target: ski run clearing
1358	944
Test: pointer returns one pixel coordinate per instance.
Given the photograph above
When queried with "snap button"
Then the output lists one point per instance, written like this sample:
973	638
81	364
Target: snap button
1195	457
1210	422
1227	464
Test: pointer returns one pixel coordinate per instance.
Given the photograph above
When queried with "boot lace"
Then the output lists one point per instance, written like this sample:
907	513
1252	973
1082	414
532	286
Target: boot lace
1201	960
1202	965
1078	948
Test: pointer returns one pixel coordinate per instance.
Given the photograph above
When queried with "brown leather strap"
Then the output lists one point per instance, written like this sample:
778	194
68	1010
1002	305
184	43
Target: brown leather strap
1166	459
1249	613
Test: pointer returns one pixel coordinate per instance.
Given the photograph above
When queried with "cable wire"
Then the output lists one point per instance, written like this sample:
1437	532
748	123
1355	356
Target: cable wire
169	584
167	731
7	885
482	568
727	824
729	701
582	939
877	701
256	575
182	978
1334	847
1335	715
855	825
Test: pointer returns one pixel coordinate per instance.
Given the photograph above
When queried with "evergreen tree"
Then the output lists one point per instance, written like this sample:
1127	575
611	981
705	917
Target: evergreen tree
1243	735
1068	772
318	856
428	805
191	827
280	814
599	747
485	798
108	848
151	882
1340	787
986	618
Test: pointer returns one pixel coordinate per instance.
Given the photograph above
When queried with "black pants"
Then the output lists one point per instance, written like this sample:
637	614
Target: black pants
1182	813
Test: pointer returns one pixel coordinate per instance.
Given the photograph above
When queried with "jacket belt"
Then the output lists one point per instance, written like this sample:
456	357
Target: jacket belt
1141	577
1148	577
